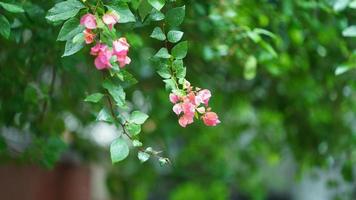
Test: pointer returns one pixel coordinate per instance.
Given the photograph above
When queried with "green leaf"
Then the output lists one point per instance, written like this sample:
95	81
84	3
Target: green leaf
12	7
138	117
133	129
116	91
144	9
124	12
64	10
119	150
157	16
343	69
349	31
174	36
104	115
158	4
79	38
94	98
164	71
175	16
70	29
72	48
179	68
250	68
170	84
158	34
162	53
180	50
143	156
136	143
4	27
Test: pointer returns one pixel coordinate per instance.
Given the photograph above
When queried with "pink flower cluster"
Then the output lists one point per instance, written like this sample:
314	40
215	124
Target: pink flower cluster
105	54
191	105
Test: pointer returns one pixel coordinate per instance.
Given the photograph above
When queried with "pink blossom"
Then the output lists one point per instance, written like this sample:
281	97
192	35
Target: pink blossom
204	96
97	48
121	46
89	21
177	108
88	36
185	120
102	61
123	60
188	108
111	19
173	98
210	119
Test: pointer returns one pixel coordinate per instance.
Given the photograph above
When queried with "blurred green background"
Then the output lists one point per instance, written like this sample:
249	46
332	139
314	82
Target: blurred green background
282	82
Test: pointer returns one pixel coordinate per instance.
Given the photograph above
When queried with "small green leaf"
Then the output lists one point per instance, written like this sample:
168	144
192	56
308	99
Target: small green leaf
12	7
72	48
158	4
119	150
175	16
162	53
349	31
70	29
143	156
144	9
133	129
124	12
170	84
94	98
136	143
174	36
116	91
250	68
164	71
163	161
138	117
64	10
158	34
156	16
343	69
180	50
4	27
104	115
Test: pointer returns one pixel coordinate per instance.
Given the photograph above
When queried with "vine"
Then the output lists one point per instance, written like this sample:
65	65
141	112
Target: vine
110	49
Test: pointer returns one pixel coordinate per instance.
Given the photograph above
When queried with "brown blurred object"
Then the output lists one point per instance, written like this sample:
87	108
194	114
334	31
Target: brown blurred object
65	182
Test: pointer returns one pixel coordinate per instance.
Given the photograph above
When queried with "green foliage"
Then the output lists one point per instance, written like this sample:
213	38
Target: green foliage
94	98
158	34
175	16
118	150
12	7
180	50
174	36
64	10
4	26
282	75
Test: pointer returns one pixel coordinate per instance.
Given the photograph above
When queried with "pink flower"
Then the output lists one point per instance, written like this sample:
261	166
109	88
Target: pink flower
123	60
88	36
121	47
188	108
210	119
177	108
89	21
97	48
204	96
110	19
102	61
185	120
173	98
